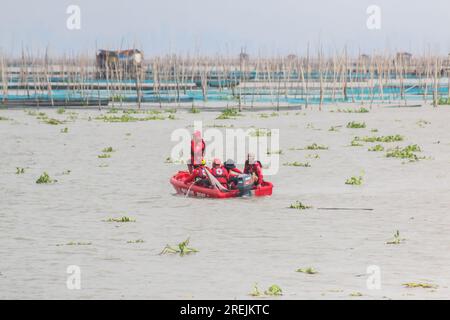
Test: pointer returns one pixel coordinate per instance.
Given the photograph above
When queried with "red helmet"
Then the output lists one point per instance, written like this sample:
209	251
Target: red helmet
217	162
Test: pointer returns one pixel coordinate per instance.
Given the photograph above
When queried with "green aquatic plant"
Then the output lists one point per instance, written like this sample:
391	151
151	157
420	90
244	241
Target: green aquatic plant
316	146
182	248
73	243
299	206
260	132
376	148
52	121
396	239
308	270
228	114
194	110
136	241
405	153
45	179
334	128
374	130
274	290
443	101
60	110
356	125
3	119
420	285
391	138
255	292
422	123
65	130
359	110
312	156
121	219
275	152
297	164
104	156
20	170
356	143
171	117
355	294
355	181
66	172
108	150
128	118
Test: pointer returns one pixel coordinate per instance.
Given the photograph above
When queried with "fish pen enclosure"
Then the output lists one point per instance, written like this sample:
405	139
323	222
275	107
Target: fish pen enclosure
124	78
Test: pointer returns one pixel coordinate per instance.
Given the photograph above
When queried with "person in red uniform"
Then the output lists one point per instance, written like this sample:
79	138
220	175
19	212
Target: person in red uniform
220	172
198	174
254	168
197	150
233	173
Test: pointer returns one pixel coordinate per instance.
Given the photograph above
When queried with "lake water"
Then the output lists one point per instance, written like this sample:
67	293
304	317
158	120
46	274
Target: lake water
240	241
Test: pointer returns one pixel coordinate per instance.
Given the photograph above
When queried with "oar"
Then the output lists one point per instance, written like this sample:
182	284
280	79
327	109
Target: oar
189	189
214	182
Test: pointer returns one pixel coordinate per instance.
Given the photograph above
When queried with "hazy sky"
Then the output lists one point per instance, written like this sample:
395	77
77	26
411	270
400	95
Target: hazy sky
268	27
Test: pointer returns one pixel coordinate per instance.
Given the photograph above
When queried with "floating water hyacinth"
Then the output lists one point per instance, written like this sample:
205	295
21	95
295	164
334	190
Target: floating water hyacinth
299	206
123	219
356	181
108	150
391	138
316	146
104	156
45	179
297	164
396	239
274	290
356	125
182	248
308	270
405	153
376	148
228	114
420	285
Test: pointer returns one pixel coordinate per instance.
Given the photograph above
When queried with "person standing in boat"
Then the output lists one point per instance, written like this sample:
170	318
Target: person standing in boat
254	168
197	150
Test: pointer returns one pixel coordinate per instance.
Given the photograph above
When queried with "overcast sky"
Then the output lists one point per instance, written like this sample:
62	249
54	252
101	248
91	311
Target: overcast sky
268	27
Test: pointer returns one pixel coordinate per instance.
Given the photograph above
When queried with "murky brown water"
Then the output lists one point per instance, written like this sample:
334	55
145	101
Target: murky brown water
241	241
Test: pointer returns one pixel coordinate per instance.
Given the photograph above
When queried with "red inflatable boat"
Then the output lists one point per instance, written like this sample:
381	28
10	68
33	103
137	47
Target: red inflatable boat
177	182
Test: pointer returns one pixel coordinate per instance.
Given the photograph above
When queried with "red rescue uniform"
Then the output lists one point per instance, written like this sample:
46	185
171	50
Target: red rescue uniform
221	174
198	173
197	151
254	169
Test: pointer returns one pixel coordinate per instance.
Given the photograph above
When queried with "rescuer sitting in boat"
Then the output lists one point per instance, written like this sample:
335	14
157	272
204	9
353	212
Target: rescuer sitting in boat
220	172
199	175
253	167
233	173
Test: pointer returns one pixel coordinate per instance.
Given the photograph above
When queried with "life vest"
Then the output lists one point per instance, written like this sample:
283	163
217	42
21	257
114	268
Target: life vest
200	173
221	174
197	152
252	168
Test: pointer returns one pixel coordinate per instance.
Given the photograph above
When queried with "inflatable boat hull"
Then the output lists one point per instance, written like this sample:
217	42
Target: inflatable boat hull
177	182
